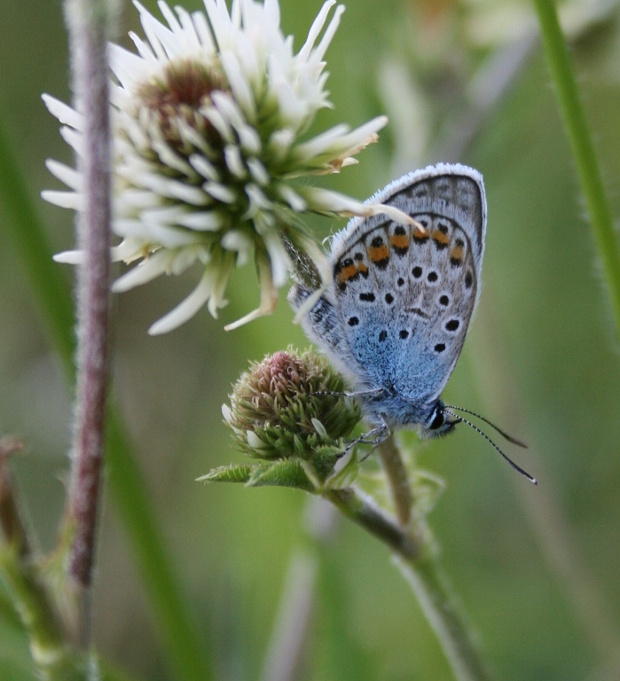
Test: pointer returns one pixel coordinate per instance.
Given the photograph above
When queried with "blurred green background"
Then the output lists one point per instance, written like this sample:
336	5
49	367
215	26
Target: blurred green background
536	568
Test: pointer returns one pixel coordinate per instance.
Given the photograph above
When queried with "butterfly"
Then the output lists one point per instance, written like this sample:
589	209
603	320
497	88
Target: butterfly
395	314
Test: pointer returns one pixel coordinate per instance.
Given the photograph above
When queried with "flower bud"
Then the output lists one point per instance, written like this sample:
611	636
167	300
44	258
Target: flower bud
284	407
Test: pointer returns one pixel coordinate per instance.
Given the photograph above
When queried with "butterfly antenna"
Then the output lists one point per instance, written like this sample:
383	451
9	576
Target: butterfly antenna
518	468
514	440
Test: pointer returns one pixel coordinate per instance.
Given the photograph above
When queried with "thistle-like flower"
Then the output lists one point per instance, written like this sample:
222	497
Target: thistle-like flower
290	405
208	125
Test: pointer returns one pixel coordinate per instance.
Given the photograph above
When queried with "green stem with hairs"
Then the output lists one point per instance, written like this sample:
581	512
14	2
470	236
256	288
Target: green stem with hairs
583	151
416	556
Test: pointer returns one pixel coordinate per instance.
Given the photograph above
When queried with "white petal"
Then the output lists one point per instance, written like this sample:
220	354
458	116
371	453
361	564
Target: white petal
278	259
220	192
190	135
315	29
254	442
168	15
240	87
127	251
203	221
69	176
204	167
227	106
317	145
175	237
281	141
74	139
294	200
268	299
235	240
258	171
186	310
168	157
135	131
249	139
271	9
70	257
258	201
204	32
63	112
234	161
149	269
162	215
163	41
126	66
185	257
326	200
131	198
185	192
144	50
71	200
219	122
319	52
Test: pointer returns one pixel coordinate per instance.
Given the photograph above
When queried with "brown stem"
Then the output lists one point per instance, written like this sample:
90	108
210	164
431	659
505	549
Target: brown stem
87	27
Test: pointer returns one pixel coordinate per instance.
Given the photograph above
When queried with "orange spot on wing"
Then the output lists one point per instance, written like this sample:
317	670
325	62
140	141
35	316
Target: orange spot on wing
378	253
347	273
457	254
441	238
400	241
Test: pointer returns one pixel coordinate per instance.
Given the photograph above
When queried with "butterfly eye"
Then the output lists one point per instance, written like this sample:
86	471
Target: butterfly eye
438	420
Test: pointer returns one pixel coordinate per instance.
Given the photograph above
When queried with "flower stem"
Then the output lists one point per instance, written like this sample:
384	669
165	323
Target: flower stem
398	479
583	150
87	21
179	635
54	660
445	615
415	554
361	509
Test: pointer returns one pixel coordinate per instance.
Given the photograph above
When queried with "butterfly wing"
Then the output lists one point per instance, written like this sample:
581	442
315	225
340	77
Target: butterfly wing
402	301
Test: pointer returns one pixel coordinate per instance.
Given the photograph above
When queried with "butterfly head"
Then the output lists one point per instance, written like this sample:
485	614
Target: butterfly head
439	421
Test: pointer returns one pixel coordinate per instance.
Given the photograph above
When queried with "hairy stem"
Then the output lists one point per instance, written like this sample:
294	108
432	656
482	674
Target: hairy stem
87	23
361	509
416	555
444	613
583	150
398	480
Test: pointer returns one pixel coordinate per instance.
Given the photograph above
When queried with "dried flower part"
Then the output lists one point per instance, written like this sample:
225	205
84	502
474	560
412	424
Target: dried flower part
282	408
210	157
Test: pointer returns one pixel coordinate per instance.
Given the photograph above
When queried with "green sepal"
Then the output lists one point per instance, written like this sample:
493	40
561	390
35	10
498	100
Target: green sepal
281	473
232	473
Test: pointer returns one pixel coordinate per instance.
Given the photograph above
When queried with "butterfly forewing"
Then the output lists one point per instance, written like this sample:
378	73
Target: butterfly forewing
405	298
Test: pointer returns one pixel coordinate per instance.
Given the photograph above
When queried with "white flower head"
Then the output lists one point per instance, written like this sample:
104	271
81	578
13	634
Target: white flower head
208	123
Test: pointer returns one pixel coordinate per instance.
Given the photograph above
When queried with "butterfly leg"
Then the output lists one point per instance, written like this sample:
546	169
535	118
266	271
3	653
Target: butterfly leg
374	392
374	437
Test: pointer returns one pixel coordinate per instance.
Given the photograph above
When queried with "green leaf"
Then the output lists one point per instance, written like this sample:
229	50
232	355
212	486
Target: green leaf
232	473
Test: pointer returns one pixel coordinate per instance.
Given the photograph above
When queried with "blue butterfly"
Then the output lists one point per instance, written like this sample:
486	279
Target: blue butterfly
395	314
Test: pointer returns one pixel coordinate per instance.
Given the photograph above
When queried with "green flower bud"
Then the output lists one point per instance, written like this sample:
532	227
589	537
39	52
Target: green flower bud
282	408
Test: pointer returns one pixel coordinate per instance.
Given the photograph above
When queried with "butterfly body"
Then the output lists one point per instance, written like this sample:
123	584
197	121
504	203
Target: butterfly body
395	315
